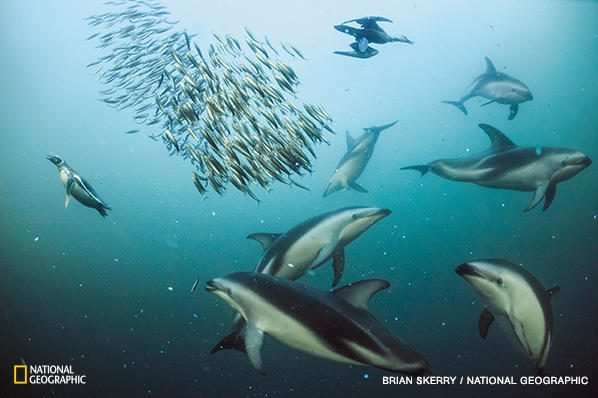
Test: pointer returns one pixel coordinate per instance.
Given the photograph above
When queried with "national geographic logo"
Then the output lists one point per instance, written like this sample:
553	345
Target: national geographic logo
47	374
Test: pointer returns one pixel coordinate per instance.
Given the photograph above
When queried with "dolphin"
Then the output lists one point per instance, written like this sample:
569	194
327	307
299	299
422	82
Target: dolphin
517	299
314	242
353	163
508	166
304	247
497	87
332	325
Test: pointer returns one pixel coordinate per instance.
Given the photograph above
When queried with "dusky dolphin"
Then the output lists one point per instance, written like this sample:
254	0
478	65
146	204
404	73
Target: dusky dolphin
507	166
517	299
333	325
353	163
307	246
497	87
315	241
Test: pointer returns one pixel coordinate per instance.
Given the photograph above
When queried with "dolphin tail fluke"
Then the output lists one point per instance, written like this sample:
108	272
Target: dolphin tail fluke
458	104
423	169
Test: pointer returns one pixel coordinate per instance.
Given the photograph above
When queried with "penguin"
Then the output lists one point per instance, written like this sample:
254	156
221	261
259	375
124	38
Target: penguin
78	187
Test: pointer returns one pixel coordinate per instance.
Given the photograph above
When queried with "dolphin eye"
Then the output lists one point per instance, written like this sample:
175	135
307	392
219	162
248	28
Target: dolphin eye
500	282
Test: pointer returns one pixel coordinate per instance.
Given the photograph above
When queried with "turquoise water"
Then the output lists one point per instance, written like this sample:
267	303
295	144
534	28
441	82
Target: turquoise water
111	296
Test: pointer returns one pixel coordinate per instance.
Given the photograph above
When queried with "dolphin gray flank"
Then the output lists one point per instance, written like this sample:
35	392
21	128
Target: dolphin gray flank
497	87
517	300
507	166
333	325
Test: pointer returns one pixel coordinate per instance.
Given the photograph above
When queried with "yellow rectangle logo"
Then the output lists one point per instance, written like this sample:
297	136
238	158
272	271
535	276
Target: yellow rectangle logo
18	380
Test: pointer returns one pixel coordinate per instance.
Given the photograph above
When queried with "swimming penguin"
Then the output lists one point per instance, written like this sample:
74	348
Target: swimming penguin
78	187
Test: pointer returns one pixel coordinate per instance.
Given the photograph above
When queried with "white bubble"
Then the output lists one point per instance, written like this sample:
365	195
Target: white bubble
170	288
36	239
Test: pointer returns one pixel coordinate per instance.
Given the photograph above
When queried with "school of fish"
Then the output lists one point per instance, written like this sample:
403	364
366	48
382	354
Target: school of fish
233	112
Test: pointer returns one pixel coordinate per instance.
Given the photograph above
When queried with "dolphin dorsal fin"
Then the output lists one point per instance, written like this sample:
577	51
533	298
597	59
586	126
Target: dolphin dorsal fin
360	293
350	141
489	66
498	140
264	238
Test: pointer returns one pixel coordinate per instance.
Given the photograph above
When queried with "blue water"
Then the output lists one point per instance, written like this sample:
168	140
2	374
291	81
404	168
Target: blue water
111	296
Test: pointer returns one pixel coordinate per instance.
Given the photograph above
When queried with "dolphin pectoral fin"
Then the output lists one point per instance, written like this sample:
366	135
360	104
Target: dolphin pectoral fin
235	340
513	111
550	194
538	195
338	265
553	291
254	340
360	293
357	187
232	341
264	238
67	201
423	169
458	104
489	102
486	319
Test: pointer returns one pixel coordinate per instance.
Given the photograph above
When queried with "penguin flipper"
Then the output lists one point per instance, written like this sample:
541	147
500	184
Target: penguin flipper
69	188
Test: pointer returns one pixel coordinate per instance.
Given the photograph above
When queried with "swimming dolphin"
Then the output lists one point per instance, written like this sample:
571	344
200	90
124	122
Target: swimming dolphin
315	241
333	325
508	166
307	246
497	87
353	163
517	299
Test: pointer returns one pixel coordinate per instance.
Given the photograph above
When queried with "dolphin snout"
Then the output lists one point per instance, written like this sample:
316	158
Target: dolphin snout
466	269
212	285
586	161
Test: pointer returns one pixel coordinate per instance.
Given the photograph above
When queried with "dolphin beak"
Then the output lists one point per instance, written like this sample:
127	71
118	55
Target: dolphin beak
584	161
49	157
467	270
384	212
373	213
212	285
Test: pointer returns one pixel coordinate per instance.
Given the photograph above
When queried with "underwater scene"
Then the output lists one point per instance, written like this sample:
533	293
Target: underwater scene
299	199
